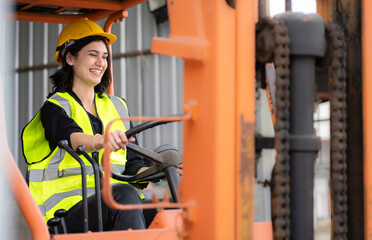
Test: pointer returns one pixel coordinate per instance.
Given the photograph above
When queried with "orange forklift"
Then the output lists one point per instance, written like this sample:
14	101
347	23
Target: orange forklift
226	46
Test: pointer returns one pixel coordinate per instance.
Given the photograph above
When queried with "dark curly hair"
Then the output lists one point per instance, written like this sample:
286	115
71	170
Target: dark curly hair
62	79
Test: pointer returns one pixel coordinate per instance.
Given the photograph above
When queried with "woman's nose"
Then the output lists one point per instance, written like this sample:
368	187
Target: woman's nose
99	62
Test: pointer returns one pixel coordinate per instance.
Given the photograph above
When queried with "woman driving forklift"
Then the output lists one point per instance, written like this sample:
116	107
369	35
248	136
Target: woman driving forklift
78	110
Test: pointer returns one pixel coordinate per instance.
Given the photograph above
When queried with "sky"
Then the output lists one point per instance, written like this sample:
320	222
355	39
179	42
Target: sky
305	6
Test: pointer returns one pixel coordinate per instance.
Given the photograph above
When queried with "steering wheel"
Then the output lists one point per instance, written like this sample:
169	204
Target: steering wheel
165	158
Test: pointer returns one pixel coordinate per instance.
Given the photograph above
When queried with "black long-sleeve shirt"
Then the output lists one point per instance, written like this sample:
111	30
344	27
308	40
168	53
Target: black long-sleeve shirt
59	126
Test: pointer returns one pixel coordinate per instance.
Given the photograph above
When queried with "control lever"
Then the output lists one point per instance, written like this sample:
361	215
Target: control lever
53	224
63	144
61	214
82	150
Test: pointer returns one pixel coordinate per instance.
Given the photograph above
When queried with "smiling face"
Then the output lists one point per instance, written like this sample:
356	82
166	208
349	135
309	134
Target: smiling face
89	64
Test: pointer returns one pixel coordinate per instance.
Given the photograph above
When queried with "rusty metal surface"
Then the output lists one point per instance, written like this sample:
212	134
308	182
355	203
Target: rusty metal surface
281	177
347	14
337	88
336	58
245	178
280	181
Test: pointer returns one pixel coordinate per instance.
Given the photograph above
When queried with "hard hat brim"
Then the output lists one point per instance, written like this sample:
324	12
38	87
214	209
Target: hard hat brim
111	38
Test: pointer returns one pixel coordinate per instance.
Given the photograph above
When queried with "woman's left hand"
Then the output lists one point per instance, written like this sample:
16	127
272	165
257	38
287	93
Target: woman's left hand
180	170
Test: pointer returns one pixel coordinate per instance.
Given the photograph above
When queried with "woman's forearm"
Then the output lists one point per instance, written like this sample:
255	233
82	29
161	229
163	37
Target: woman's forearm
117	141
91	143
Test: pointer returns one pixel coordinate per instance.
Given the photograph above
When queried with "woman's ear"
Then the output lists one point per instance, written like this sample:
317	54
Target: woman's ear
70	59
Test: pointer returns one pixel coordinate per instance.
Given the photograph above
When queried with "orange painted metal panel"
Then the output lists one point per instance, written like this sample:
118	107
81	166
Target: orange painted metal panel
149	234
262	231
367	113
54	18
245	117
104	9
167	225
28	6
186	48
168	218
218	145
88	4
187	38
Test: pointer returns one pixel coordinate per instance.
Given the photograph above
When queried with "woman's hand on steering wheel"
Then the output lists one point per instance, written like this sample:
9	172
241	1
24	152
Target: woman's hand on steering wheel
118	140
180	170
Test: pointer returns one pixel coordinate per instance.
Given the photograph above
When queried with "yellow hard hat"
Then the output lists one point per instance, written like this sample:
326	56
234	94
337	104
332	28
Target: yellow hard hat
77	30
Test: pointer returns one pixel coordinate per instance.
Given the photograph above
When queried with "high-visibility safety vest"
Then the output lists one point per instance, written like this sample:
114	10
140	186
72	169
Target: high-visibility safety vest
54	175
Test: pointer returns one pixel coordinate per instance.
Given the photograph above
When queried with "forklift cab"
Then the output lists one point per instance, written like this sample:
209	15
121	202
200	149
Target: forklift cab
215	39
63	12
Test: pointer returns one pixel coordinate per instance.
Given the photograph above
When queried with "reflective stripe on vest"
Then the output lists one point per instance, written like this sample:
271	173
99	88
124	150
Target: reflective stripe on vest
39	175
121	109
55	177
47	174
56	198
63	102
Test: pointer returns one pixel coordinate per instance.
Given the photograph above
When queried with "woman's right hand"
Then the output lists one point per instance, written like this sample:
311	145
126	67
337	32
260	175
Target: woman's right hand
118	140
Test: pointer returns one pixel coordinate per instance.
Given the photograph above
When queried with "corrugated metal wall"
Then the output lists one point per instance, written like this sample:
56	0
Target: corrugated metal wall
151	84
